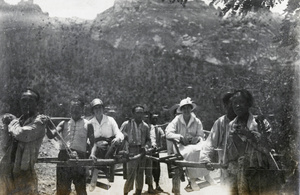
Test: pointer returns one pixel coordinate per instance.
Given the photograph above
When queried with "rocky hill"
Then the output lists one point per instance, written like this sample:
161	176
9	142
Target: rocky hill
149	51
194	31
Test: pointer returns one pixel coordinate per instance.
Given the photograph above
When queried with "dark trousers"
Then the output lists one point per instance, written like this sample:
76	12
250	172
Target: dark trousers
135	171
156	169
66	175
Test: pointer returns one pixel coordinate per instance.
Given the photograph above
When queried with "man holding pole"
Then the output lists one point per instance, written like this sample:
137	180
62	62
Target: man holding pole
137	135
73	135
25	136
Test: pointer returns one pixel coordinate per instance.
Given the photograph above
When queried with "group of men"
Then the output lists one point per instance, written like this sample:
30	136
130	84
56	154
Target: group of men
101	134
24	136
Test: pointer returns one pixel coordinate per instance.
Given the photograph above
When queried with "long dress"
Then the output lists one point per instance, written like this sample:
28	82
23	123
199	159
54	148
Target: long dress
191	152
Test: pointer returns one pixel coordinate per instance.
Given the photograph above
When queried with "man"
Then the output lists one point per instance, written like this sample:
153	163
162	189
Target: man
73	136
137	135
17	174
107	136
157	137
217	137
251	166
148	163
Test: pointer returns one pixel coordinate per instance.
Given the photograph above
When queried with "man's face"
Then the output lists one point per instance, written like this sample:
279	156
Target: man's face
240	105
76	111
28	105
154	120
98	110
138	113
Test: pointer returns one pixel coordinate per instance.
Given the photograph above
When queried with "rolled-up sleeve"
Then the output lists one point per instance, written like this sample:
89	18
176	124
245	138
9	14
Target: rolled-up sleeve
29	132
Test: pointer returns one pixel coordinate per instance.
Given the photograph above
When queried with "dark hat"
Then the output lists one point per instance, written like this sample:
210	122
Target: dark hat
31	93
111	111
77	101
155	116
137	106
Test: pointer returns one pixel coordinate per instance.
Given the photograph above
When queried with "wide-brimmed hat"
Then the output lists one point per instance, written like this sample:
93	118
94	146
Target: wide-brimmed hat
186	101
96	102
173	109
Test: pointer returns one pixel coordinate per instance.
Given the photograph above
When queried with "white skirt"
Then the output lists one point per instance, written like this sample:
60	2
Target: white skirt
194	153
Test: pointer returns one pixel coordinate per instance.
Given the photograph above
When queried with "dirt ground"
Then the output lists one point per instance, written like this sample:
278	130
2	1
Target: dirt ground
165	183
47	180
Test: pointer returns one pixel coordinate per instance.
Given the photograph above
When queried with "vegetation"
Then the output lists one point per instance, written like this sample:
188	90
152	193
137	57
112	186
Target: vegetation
61	58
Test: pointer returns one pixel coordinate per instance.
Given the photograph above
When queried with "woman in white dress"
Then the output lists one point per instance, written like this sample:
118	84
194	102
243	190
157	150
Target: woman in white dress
187	129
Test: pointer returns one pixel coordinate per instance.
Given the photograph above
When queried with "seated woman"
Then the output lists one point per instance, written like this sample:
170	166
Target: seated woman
108	137
187	129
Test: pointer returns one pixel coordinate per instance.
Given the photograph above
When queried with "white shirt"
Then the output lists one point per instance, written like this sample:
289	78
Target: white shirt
178	127
107	128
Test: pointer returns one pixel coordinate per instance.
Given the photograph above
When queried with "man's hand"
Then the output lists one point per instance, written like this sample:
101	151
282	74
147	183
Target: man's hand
13	124
115	141
93	157
209	166
74	155
7	118
47	121
44	118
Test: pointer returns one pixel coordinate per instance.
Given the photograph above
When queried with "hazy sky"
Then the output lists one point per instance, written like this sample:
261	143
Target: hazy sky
86	9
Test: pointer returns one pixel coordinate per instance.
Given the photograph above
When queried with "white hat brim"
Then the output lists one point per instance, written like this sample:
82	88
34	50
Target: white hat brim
194	106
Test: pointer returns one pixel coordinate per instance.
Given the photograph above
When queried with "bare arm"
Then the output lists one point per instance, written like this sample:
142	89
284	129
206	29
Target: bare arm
90	135
52	133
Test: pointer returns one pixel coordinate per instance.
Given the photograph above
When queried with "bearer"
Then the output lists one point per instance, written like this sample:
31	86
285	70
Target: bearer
73	136
137	135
